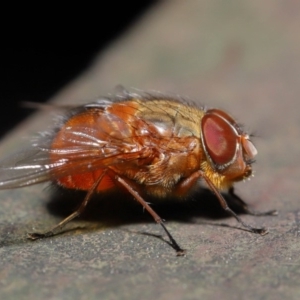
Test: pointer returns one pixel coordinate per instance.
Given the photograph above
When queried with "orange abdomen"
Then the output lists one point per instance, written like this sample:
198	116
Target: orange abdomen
85	181
84	149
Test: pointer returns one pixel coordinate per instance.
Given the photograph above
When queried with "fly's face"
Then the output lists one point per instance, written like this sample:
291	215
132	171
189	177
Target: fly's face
227	148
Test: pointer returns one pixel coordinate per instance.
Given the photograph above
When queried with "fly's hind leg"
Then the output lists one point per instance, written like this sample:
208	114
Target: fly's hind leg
57	228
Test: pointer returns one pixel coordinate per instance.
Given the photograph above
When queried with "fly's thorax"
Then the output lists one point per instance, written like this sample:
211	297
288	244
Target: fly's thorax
172	131
171	118
164	168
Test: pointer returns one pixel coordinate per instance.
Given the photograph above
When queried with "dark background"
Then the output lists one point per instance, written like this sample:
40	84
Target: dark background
43	48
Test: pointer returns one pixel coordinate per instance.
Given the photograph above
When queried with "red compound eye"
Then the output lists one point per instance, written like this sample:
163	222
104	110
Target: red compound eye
220	137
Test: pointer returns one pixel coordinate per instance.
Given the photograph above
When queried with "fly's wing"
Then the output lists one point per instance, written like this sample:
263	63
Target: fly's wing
86	149
30	166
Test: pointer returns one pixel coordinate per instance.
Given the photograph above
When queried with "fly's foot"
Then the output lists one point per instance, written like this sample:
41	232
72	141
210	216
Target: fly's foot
37	235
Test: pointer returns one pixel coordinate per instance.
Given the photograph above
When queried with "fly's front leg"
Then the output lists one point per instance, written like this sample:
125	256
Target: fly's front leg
189	182
223	203
184	187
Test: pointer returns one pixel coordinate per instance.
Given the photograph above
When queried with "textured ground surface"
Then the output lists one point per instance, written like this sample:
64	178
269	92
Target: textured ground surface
241	56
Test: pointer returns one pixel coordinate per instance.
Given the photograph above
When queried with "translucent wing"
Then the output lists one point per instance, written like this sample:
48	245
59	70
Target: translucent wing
85	148
25	168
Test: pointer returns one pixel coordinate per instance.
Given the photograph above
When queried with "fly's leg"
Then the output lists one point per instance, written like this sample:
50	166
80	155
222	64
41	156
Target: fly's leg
186	184
78	212
261	231
125	184
246	208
